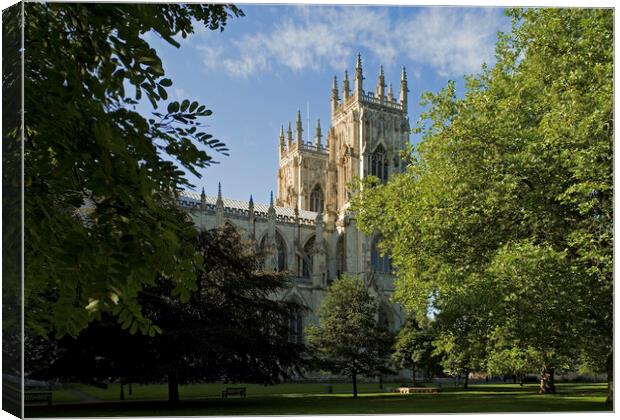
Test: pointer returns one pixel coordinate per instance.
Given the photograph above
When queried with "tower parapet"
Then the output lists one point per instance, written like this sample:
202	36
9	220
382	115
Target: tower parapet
286	148
367	133
371	98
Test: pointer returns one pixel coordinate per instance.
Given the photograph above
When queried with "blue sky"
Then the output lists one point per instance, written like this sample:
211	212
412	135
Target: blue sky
277	59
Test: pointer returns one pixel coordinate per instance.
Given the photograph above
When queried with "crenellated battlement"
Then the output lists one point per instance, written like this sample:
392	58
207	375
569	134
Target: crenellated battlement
376	98
369	98
290	146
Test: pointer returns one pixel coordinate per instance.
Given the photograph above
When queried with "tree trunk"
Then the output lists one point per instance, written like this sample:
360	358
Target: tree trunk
122	391
413	374
173	389
354	378
547	381
466	382
610	378
380	381
130	389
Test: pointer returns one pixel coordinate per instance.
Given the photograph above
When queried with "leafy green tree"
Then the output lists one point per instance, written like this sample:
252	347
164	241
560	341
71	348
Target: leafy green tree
348	339
521	163
231	329
460	332
413	348
522	273
101	220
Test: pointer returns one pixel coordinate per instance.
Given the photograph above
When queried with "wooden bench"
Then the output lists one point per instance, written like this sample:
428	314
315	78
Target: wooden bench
233	391
38	396
416	390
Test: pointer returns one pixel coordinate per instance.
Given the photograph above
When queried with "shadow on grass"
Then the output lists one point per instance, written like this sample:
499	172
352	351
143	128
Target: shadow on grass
477	400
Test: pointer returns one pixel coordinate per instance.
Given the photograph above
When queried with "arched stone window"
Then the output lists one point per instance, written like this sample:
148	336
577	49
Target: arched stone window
296	328
379	263
341	254
379	163
281	254
316	199
307	258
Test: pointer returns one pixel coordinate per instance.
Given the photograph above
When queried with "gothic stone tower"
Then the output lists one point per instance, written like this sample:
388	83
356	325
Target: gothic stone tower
310	231
368	131
301	176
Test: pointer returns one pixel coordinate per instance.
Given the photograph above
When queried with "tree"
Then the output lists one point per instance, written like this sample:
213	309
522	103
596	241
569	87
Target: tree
348	339
461	331
413	348
522	273
514	182
101	219
231	329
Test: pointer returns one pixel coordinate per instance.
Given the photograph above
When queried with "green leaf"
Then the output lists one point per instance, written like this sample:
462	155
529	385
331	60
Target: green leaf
173	107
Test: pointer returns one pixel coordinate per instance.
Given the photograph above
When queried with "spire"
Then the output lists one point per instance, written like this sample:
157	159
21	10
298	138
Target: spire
271	262
335	95
203	199
219	206
390	93
345	85
358	75
251	228
289	135
271	211
318	134
381	84
282	136
298	128
403	89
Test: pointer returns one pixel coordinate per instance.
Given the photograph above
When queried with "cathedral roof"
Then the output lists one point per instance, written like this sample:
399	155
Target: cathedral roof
191	199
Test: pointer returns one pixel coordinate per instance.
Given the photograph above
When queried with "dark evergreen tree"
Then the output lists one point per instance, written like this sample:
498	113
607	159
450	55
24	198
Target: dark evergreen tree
233	328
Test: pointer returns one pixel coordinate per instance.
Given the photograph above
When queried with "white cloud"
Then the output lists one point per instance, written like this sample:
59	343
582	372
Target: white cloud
451	41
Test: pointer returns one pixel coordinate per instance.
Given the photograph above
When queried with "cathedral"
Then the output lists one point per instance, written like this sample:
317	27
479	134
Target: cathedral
308	230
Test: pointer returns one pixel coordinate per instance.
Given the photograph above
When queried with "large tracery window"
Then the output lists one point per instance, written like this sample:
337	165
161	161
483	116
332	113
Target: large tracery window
307	258
296	328
379	263
280	251
316	199
379	164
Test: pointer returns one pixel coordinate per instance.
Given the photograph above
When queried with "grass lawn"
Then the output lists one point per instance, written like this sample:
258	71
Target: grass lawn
160	391
289	399
204	400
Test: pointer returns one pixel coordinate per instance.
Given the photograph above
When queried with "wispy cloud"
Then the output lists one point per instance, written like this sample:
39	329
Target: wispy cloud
451	41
